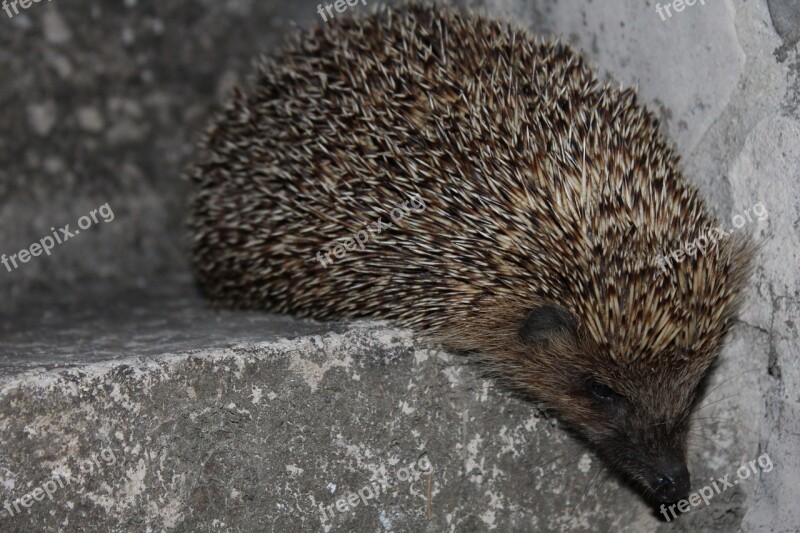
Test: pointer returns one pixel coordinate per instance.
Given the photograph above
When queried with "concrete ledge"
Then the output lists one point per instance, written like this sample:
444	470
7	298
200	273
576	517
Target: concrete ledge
256	434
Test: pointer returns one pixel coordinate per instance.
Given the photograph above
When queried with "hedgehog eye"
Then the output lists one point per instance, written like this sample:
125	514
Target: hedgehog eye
600	391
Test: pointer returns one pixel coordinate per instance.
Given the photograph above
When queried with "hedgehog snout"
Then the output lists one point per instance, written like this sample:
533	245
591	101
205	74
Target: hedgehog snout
647	451
671	482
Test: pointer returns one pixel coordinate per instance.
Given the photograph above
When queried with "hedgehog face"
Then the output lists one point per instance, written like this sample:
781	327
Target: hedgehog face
635	414
642	435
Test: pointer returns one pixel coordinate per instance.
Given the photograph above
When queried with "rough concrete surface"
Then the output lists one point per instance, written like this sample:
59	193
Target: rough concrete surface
205	420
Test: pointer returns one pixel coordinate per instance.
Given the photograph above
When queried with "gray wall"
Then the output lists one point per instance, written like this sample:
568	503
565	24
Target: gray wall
104	102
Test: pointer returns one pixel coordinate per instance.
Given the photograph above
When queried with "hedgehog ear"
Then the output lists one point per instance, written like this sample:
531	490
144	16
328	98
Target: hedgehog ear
547	322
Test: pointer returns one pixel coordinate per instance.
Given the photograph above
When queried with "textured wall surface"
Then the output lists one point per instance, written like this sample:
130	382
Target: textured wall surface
200	420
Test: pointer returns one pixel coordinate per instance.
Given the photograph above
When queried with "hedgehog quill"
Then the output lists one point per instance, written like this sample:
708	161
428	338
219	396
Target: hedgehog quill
548	196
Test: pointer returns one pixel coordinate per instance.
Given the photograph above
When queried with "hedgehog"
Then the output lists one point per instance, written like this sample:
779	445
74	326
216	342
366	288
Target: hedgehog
544	200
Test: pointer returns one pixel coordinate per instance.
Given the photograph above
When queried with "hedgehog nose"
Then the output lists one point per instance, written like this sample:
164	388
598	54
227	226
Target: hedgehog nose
672	481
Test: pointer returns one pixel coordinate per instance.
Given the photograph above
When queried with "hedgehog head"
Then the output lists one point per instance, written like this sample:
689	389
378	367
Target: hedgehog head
625	371
635	413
